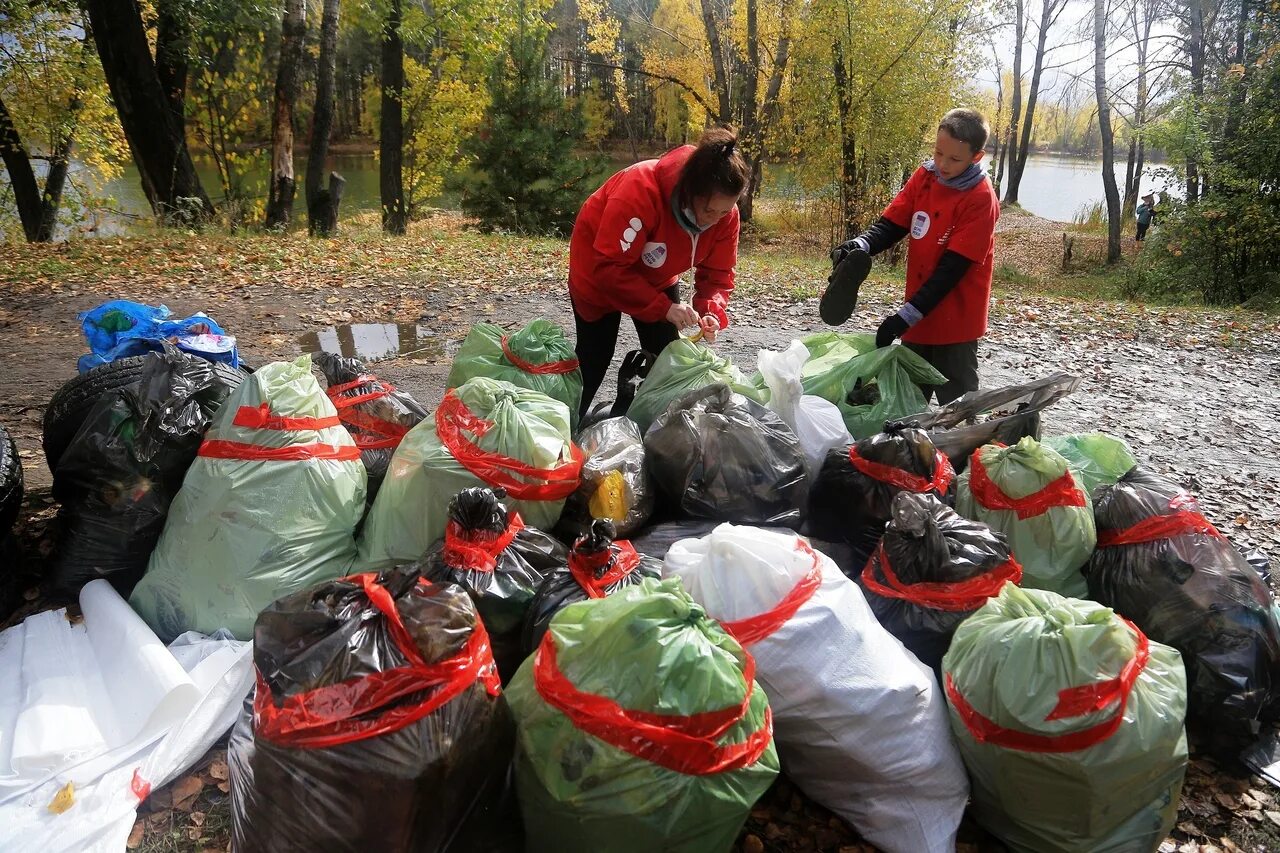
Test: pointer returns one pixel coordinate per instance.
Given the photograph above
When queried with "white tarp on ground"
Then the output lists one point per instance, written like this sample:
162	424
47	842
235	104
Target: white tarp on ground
94	702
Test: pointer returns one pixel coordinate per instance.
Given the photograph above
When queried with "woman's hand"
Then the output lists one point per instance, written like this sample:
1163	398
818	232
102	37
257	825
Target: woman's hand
682	315
710	326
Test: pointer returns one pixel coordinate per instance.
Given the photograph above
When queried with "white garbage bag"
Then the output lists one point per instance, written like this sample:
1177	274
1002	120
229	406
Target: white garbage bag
816	422
860	724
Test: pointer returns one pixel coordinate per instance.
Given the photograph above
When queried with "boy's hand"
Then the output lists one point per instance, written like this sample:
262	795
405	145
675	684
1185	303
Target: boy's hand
891	328
839	253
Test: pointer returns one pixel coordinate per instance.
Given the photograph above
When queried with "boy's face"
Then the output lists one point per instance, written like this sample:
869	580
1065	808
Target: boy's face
951	156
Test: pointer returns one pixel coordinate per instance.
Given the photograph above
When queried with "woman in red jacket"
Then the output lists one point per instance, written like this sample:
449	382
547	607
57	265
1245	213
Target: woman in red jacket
636	235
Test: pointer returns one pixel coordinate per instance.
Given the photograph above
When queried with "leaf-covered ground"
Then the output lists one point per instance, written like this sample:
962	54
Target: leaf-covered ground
1192	391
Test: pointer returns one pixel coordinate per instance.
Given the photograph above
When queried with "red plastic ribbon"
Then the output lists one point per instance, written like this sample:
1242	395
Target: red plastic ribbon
685	744
1159	527
347	711
478	550
568	365
220	449
756	628
1072	702
141	787
1061	492
261	418
617	561
940	481
453	418
369	432
968	594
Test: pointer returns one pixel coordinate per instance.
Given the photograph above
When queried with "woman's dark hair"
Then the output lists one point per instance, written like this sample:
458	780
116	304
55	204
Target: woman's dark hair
715	166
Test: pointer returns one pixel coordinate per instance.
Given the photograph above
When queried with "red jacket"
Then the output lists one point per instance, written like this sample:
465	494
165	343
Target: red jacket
940	218
628	247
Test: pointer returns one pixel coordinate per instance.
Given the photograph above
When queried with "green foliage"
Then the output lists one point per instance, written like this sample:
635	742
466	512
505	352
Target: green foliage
522	173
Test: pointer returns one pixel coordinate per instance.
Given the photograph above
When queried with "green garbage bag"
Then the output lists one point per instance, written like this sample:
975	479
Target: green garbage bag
485	433
877	386
684	366
1029	493
269	507
639	728
537	357
826	351
1070	723
1096	458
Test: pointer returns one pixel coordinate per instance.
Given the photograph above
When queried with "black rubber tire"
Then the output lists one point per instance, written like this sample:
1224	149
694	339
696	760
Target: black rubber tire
70	405
10	482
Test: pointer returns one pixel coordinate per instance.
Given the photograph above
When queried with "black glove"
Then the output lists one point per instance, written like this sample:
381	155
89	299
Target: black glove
839	253
891	327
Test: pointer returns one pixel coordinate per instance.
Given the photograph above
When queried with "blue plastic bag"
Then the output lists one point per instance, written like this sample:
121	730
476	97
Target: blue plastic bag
120	328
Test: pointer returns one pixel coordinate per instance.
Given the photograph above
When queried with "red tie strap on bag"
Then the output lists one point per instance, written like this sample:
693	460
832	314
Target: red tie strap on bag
968	594
1061	492
347	711
478	550
617	561
453	418
1072	702
568	365
939	481
370	433
261	418
1156	527
756	628
685	744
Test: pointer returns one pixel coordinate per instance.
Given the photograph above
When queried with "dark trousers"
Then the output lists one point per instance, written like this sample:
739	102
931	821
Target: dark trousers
1142	230
598	338
957	362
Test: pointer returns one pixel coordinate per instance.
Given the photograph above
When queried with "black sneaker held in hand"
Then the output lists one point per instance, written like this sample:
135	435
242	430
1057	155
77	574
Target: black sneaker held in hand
841	295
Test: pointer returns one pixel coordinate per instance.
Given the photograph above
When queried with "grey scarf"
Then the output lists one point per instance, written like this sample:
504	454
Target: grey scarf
966	180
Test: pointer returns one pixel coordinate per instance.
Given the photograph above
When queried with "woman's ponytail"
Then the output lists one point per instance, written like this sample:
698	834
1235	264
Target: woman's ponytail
715	166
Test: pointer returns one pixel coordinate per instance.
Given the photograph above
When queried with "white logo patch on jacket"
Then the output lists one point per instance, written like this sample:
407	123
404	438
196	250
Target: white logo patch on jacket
653	254
629	234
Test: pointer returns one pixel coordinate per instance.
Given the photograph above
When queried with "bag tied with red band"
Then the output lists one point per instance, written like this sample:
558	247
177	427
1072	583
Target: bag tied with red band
640	727
1161	563
1029	493
491	553
1097	459
376	413
537	357
598	566
931	571
485	433
376	723
1070	721
269	506
615	481
852	496
719	455
860	725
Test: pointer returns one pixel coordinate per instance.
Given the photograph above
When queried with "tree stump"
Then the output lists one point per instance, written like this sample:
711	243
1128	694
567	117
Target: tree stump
323	213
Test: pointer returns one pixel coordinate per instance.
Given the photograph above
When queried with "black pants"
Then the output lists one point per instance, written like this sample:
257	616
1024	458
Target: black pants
957	362
598	338
1142	231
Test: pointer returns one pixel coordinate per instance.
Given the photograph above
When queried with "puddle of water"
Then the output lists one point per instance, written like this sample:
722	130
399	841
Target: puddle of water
375	341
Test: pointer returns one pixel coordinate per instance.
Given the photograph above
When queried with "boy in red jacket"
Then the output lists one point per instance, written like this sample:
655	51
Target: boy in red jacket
950	210
638	233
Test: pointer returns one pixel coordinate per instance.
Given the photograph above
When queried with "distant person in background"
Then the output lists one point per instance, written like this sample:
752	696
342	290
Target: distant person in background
950	210
636	235
1146	214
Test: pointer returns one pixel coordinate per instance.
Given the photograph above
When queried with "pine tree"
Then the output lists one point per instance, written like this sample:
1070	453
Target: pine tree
523	174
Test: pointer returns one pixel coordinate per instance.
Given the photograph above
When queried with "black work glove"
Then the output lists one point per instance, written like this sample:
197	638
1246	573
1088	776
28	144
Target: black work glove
891	327
839	253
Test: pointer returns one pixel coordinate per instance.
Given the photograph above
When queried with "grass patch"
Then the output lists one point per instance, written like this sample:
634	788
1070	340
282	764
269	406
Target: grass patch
1008	275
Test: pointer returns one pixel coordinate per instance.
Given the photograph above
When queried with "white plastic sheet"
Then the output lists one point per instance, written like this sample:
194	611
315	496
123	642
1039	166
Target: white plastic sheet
816	422
860	724
101	703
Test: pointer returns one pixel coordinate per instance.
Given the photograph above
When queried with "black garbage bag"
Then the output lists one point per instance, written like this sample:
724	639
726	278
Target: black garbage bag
716	454
932	569
120	472
489	552
376	413
852	497
598	566
376	723
1000	415
1162	564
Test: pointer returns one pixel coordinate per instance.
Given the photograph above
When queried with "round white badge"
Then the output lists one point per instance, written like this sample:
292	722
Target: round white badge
919	224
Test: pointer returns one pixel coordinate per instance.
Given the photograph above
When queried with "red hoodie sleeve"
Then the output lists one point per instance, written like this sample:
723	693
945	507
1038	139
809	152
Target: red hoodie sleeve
713	278
626	220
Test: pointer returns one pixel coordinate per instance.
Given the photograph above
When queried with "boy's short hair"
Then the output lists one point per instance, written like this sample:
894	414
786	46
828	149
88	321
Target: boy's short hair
968	126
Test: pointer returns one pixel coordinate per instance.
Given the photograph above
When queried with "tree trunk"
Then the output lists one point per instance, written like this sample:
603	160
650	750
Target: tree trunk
1104	130
173	37
1015	108
1049	13
721	81
1196	49
293	36
26	192
1128	174
322	205
395	216
848	144
158	145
